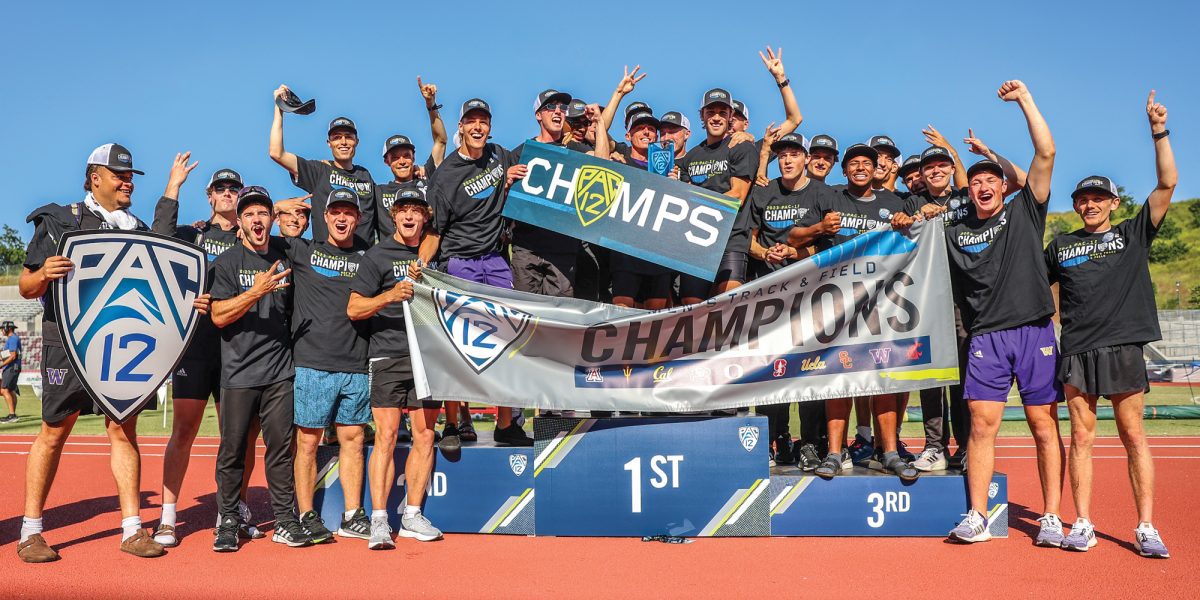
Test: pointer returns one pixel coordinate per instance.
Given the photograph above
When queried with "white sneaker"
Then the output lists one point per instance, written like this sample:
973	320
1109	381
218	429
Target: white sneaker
930	459
381	534
419	528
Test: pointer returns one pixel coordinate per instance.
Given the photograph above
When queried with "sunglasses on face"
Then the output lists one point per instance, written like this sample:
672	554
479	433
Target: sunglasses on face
233	189
553	106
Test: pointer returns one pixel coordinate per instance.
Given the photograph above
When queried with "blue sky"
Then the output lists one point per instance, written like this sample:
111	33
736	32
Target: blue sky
166	77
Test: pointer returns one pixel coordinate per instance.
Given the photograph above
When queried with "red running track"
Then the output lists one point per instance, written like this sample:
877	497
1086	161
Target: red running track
82	523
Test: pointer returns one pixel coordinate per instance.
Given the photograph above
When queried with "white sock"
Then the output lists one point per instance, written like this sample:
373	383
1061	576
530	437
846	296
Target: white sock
1080	521
130	526
411	511
30	527
865	432
376	514
168	515
350	513
1144	525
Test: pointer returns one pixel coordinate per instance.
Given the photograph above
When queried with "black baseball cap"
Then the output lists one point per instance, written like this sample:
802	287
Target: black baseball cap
342	123
675	118
225	176
577	109
641	117
716	96
8	325
409	198
397	141
935	153
985	165
113	157
823	141
474	104
910	164
636	107
342	196
739	107
788	141
1097	183
290	102
254	194
550	95
860	150
885	145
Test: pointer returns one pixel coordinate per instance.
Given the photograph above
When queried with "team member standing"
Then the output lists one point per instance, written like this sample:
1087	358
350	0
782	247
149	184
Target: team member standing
910	174
293	222
330	354
198	375
253	310
375	295
399	154
467	195
822	155
1103	332
1000	284
10	367
320	177
887	168
108	181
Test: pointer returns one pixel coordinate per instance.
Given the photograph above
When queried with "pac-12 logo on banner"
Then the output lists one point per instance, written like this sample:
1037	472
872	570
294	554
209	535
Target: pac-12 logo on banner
125	312
481	330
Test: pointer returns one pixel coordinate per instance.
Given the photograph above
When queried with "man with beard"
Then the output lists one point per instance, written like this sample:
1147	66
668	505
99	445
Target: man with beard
252	308
1000	283
399	154
320	177
375	298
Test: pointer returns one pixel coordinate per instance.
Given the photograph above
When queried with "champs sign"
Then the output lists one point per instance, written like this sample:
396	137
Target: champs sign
125	312
629	210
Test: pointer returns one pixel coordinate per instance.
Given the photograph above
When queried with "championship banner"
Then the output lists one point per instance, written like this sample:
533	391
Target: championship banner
125	312
871	316
629	210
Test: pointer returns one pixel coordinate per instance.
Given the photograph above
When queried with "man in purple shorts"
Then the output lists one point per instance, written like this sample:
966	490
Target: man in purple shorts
467	194
1000	283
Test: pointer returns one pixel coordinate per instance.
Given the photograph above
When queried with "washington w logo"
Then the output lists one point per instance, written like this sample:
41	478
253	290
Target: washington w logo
126	312
480	330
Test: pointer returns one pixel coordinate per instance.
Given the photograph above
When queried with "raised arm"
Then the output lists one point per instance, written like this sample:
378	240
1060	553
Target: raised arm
774	63
166	212
935	138
1014	176
1164	161
437	128
278	153
1042	166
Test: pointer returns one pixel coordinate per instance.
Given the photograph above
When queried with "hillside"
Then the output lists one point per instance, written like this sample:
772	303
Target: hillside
1178	245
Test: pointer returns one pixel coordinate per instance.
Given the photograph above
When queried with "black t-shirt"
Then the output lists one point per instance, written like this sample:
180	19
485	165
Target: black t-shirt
958	204
998	268
1105	294
859	215
206	342
580	146
467	197
388	192
711	166
319	178
256	350
382	268
775	210
536	239
323	337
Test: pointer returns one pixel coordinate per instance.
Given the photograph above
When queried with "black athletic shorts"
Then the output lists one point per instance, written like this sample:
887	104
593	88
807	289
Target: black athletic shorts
1106	371
733	268
62	392
9	379
197	379
392	385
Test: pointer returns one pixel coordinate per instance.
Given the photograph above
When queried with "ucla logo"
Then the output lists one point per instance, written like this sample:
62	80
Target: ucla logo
480	330
517	462
748	435
126	312
595	191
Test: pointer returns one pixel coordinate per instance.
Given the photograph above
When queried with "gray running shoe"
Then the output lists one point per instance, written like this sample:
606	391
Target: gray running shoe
1081	538
1050	534
972	529
930	459
381	535
1149	543
419	528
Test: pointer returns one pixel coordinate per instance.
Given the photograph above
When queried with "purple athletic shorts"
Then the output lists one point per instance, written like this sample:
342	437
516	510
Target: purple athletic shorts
489	269
1028	352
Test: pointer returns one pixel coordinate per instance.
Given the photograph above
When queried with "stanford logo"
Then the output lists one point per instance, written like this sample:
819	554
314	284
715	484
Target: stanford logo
780	368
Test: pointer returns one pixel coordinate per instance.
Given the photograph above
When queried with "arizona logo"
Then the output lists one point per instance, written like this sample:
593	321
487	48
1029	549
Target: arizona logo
517	463
595	191
748	434
479	329
126	312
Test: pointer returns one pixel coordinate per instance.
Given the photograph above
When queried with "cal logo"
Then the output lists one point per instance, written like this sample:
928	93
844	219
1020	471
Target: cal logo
126	312
517	462
595	191
748	434
479	329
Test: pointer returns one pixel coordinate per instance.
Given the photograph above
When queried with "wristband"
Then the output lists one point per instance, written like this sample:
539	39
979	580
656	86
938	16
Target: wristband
785	83
433	108
1162	134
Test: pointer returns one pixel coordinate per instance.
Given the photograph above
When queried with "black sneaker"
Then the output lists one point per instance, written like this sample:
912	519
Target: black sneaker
357	526
467	432
512	436
9	419
226	539
314	528
785	452
902	450
809	459
293	534
451	440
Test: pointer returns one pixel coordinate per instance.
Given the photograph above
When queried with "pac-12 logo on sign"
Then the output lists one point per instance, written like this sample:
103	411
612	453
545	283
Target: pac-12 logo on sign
517	463
748	434
125	312
480	330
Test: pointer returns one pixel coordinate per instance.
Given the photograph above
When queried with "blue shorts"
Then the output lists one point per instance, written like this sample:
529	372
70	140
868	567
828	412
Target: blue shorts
321	396
1027	353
